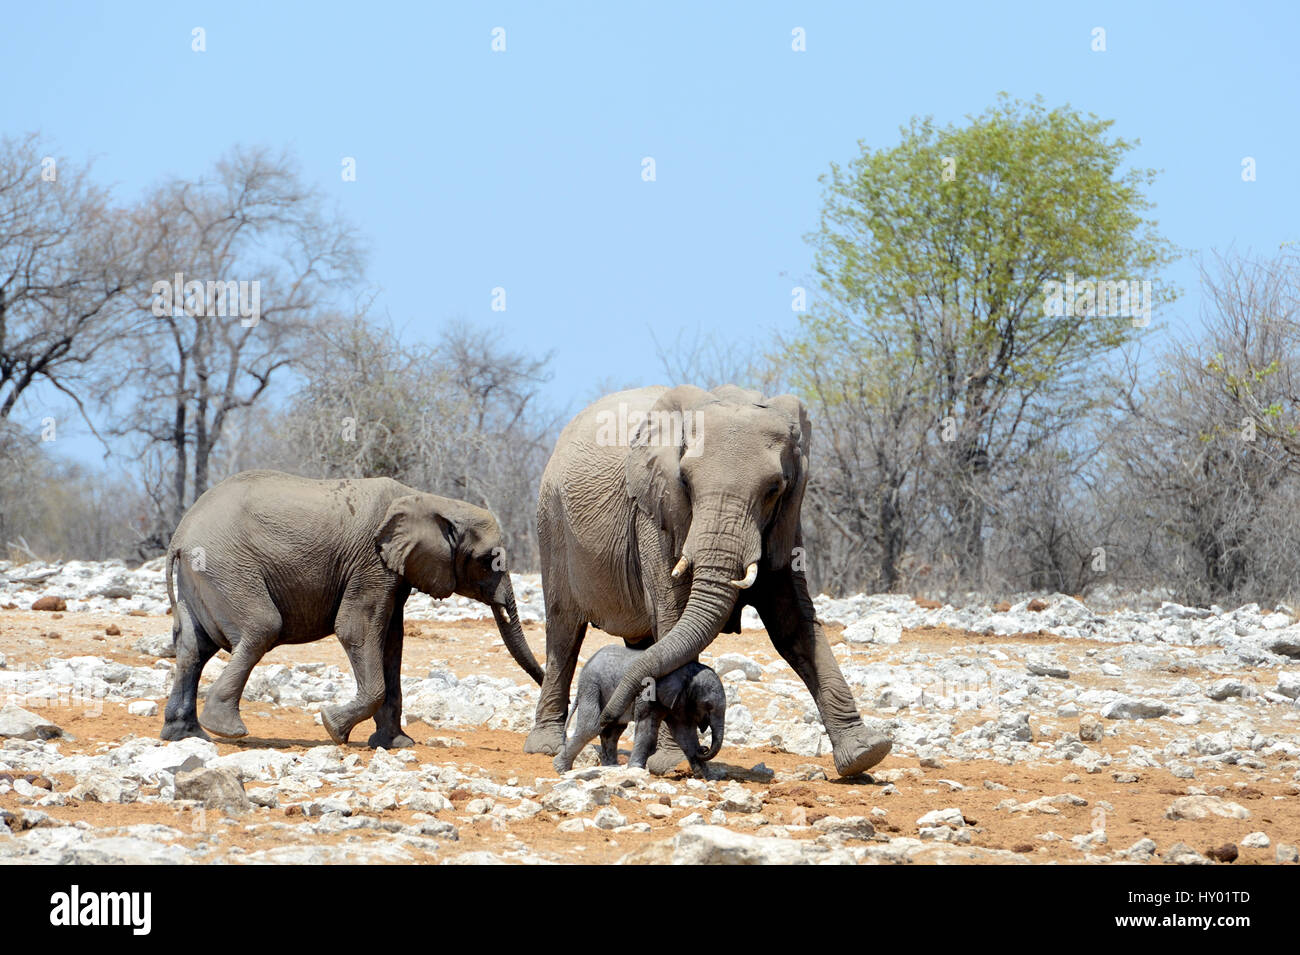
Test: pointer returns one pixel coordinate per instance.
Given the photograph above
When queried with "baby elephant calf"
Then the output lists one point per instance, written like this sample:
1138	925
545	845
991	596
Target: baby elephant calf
689	698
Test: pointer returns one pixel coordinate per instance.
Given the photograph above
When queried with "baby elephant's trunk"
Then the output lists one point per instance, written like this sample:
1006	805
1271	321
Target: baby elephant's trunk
717	726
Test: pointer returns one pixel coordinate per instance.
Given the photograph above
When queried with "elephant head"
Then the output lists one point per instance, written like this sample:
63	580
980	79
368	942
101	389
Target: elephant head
718	481
708	709
695	697
442	546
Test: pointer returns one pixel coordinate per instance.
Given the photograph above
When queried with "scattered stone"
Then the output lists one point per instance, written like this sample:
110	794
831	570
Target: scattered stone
1126	708
113	630
50	603
1288	684
1036	605
17	723
1224	853
880	630
1205	807
713	845
1181	854
848	827
734	661
609	818
142	708
739	799
1256	840
1039	668
214	788
942	817
1286	853
694	819
1141	851
1226	689
1091	729
155	645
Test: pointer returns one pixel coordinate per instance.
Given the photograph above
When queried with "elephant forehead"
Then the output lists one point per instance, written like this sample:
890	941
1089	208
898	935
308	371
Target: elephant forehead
748	423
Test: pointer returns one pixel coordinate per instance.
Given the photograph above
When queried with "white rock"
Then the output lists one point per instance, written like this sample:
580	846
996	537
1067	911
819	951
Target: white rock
1126	708
713	845
609	818
142	708
874	629
1256	840
17	723
1203	807
942	817
735	661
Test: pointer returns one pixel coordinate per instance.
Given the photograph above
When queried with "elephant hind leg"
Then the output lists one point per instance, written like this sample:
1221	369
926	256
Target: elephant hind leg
609	743
194	648
221	710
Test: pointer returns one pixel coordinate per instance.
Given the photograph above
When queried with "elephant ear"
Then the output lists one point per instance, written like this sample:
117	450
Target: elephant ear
784	533
419	544
653	474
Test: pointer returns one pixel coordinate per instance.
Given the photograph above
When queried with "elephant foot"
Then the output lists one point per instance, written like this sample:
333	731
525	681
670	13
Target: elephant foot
858	749
387	740
223	721
561	764
338	729
664	759
546	738
176	729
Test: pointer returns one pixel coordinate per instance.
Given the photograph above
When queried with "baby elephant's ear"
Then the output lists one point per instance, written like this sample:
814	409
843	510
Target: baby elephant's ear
418	543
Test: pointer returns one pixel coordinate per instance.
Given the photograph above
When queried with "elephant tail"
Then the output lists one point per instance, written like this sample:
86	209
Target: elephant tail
172	555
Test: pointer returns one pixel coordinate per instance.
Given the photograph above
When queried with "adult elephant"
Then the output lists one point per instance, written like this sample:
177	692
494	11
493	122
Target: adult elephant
662	514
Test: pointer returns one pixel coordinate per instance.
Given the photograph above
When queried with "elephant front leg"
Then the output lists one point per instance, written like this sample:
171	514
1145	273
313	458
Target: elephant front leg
388	719
689	743
787	613
586	725
362	631
647	735
563	640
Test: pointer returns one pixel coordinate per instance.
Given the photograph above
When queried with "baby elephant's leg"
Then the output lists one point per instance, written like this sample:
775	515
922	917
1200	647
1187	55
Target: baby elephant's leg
689	743
647	733
609	743
585	727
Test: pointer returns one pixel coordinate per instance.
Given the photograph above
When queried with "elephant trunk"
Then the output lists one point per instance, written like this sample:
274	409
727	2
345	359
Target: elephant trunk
512	632
707	609
717	729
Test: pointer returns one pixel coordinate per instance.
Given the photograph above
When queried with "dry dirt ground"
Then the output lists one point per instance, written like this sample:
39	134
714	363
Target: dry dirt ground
29	638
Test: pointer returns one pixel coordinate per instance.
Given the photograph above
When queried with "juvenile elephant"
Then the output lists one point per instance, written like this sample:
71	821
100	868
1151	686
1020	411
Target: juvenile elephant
662	514
266	558
689	698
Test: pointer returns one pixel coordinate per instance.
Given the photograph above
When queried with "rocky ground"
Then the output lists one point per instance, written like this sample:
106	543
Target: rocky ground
1040	731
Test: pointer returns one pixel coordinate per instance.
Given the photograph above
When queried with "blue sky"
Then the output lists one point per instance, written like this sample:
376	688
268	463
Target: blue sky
522	169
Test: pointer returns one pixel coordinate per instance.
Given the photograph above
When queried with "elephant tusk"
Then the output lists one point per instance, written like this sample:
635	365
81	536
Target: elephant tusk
683	565
751	574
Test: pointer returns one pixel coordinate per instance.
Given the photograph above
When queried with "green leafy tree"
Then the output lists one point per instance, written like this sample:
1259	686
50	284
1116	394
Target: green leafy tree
936	259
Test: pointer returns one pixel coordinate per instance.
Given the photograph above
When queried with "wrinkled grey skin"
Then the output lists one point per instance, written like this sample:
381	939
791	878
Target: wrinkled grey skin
689	698
266	558
720	487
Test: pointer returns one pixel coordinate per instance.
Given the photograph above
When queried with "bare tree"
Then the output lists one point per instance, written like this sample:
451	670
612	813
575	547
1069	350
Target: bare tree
65	264
257	258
